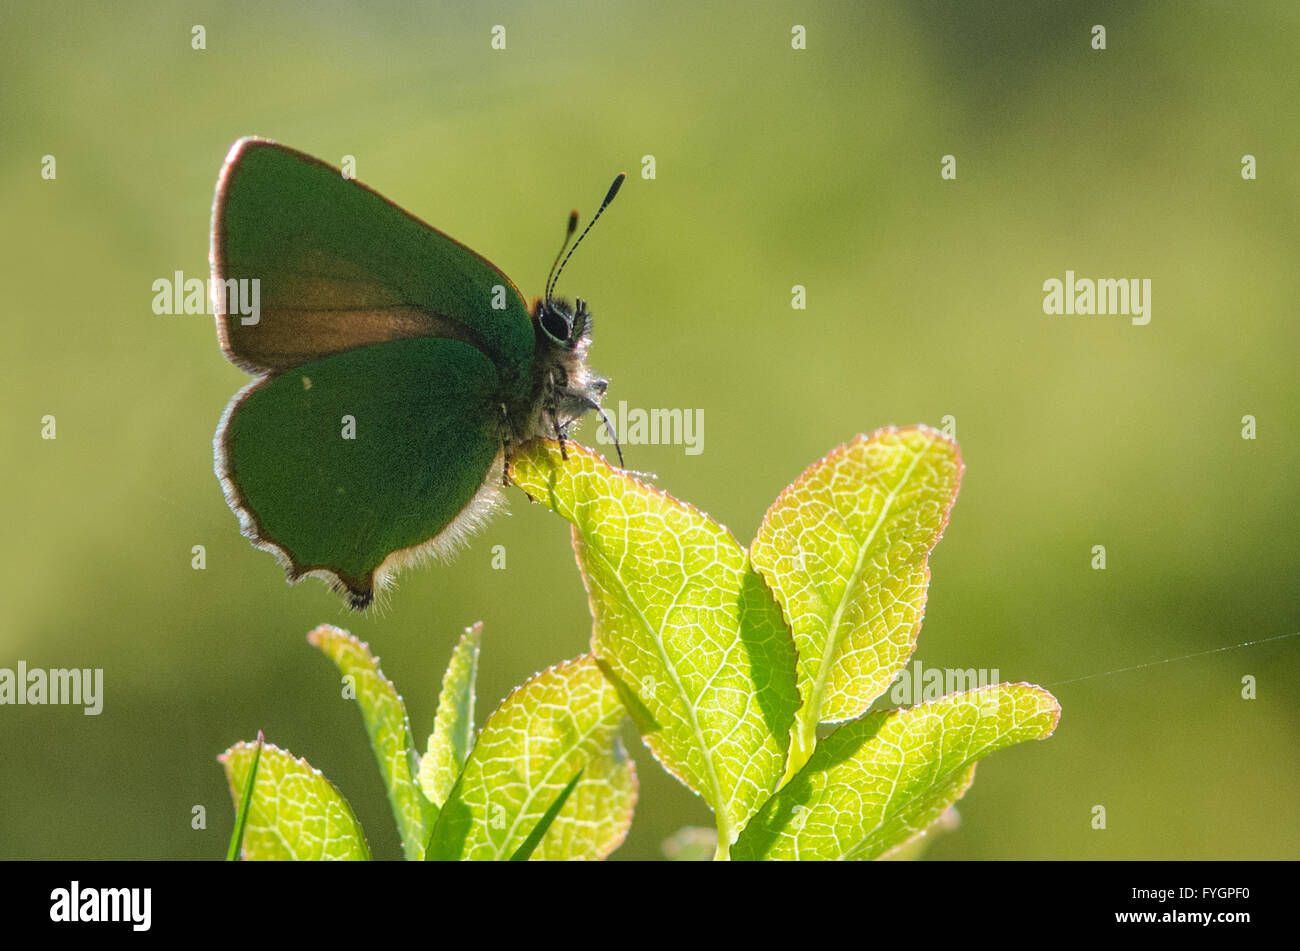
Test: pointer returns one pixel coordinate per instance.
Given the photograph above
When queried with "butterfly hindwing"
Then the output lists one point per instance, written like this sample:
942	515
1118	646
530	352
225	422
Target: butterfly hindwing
350	464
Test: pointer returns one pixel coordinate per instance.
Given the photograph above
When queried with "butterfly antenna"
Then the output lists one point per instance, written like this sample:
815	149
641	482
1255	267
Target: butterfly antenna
609	196
573	226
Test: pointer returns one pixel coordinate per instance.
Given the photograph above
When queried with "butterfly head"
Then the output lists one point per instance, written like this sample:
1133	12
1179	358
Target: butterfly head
566	387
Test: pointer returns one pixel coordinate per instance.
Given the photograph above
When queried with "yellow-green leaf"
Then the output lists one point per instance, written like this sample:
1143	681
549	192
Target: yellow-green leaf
453	725
915	847
844	549
690	844
877	781
563	720
682	623
389	728
294	812
534	838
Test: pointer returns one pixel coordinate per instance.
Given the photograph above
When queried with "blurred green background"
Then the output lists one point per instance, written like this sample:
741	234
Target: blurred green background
775	167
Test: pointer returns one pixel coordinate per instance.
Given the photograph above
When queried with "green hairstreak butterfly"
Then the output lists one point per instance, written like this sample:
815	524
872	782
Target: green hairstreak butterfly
395	367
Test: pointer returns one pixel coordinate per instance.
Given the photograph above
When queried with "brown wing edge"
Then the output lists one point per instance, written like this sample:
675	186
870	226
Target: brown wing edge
359	592
216	242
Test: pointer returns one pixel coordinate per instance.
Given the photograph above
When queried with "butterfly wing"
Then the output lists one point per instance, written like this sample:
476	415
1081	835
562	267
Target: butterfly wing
362	312
339	266
350	465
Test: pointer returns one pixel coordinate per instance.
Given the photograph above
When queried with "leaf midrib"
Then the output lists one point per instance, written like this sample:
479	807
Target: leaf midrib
833	641
534	790
721	807
969	757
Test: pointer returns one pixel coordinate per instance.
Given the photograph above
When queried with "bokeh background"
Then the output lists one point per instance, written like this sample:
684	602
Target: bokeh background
774	167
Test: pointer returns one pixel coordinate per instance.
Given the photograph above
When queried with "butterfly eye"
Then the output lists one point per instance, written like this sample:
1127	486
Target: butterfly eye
557	323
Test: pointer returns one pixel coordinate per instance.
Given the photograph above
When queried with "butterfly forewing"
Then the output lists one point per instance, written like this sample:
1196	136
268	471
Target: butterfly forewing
338	266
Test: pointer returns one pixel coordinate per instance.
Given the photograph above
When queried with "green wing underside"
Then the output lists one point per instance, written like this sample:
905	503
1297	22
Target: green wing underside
339	267
343	461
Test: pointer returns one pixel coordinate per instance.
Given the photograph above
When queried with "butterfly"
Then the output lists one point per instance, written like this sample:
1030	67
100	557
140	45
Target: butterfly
396	370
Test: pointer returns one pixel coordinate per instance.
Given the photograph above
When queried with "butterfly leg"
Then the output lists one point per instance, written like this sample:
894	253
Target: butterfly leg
553	411
559	434
507	444
592	404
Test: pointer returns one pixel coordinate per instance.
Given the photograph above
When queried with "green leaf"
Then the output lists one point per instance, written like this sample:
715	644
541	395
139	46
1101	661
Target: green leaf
877	781
242	804
845	549
390	733
563	720
525	851
683	623
294	812
690	844
914	848
453	726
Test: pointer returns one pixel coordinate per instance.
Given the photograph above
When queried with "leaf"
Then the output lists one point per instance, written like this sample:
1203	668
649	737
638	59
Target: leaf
294	812
563	720
915	847
683	623
690	844
390	733
453	725
845	549
877	781
525	851
242	803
